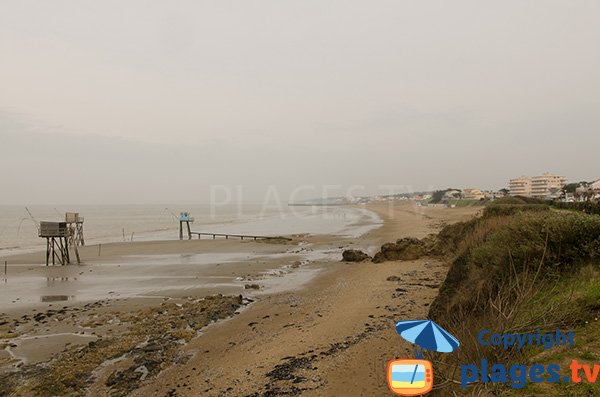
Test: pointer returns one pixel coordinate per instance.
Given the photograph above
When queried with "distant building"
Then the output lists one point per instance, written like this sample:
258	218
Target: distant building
547	185
595	187
494	194
520	186
587	191
542	186
473	194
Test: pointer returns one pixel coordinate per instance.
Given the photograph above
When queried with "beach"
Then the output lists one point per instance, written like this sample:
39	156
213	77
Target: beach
305	323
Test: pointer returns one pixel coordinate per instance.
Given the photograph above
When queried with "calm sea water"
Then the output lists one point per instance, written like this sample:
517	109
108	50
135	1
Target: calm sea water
18	232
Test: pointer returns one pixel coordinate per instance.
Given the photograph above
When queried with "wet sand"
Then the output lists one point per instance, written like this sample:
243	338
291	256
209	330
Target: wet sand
139	269
317	326
332	338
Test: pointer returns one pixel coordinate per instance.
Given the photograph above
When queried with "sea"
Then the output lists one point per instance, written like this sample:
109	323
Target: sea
117	223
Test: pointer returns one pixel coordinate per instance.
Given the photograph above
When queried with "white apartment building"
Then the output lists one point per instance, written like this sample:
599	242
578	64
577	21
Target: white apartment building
546	185
520	186
541	186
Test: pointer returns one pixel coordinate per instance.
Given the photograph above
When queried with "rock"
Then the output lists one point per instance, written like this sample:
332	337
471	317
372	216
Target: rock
354	256
39	317
393	278
406	249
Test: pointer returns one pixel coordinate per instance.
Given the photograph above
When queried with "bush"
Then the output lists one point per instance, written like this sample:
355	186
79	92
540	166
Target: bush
510	209
587	207
504	276
509	200
561	241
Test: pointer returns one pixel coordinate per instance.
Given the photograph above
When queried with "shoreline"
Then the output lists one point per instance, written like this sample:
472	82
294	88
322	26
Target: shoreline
261	223
262	333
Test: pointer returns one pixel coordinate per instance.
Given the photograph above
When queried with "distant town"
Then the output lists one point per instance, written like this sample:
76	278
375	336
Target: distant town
547	186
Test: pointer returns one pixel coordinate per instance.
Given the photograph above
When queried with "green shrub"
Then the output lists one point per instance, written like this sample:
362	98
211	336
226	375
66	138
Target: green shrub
588	207
510	209
525	239
507	274
509	200
515	270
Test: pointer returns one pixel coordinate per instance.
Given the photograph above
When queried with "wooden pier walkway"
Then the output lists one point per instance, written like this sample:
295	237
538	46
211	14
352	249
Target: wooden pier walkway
241	236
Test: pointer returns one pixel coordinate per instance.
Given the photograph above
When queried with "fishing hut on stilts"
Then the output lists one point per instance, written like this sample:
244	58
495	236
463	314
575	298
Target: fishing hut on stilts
56	235
60	236
184	217
75	225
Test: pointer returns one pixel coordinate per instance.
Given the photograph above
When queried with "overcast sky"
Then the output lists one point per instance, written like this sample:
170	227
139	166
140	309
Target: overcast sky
155	101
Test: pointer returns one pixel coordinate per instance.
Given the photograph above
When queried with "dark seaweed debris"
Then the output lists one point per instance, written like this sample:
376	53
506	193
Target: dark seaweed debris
296	374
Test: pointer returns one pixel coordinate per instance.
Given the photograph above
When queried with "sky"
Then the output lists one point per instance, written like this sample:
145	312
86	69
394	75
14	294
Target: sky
110	102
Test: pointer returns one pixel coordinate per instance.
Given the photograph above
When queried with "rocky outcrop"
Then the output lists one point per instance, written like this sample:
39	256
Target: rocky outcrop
405	249
354	256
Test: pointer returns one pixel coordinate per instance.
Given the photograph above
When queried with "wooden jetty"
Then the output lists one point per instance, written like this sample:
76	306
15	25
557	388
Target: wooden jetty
240	236
185	218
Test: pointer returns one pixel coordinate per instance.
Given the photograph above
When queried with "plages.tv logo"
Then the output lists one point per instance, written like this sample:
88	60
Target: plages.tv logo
414	377
517	375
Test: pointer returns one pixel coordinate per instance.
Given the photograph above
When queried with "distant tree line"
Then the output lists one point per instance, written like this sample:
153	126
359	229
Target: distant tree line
439	195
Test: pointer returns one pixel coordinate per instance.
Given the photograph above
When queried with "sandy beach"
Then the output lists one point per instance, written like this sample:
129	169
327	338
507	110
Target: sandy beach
290	198
305	324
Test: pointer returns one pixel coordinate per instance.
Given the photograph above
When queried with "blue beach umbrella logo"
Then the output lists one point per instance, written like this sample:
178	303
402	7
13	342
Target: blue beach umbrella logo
427	335
414	377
